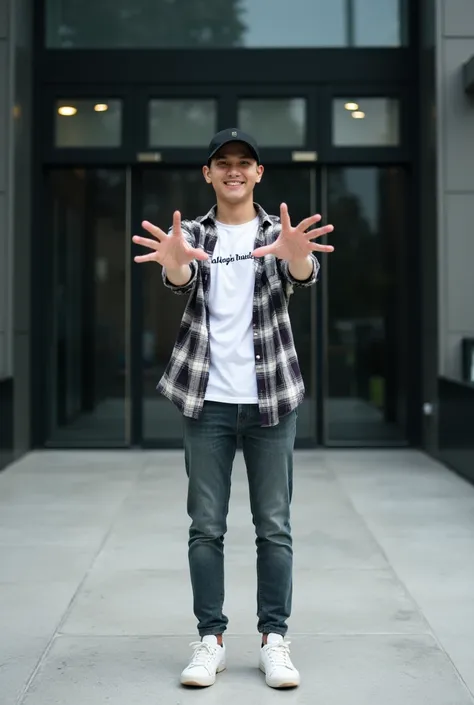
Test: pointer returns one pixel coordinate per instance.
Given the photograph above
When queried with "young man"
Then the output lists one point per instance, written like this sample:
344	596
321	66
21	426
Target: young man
234	372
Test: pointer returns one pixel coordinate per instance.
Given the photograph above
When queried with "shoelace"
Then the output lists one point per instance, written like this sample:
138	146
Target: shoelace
279	654
203	653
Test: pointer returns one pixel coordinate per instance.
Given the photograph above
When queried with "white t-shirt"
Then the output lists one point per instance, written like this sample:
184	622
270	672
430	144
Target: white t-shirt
232	377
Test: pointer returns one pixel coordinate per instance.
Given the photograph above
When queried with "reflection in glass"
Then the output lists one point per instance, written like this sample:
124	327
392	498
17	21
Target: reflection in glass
274	122
374	122
186	190
380	23
181	123
294	187
88	123
215	24
86	371
163	192
367	306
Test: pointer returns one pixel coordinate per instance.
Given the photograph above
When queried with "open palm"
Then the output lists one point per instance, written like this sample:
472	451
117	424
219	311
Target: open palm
295	243
172	250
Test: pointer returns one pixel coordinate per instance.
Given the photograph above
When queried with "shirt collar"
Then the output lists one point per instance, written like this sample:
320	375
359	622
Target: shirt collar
263	217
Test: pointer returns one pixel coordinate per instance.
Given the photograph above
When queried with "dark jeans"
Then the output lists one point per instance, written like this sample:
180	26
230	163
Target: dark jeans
210	446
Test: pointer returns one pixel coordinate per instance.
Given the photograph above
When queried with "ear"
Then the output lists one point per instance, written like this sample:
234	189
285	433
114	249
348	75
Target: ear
206	172
260	171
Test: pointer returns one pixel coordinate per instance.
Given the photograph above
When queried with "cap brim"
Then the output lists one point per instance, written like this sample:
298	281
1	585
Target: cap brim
235	139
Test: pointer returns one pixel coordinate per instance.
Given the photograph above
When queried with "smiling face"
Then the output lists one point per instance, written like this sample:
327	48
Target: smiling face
233	173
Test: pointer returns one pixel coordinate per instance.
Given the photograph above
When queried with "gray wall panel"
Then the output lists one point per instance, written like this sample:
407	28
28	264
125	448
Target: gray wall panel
21	143
4	112
458	109
458	18
455	198
4	332
460	261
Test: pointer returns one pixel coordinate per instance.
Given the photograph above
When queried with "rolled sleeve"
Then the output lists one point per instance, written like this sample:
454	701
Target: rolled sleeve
284	268
184	288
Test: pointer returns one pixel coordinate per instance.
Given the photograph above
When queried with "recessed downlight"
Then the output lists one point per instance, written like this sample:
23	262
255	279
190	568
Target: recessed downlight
67	110
101	107
351	106
358	115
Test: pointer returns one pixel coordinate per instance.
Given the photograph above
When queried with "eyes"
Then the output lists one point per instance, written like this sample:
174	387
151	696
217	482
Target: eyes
222	163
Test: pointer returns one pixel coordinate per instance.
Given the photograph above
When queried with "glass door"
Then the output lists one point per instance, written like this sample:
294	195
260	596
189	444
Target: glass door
366	306
111	325
163	190
87	286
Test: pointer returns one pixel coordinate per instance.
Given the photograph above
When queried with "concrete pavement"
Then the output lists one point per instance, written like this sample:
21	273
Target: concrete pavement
95	601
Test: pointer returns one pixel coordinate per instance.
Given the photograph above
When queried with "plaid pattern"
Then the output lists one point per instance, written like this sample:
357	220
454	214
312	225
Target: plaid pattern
279	382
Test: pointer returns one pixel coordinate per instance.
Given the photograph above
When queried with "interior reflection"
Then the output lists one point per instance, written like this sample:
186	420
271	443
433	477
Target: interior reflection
367	306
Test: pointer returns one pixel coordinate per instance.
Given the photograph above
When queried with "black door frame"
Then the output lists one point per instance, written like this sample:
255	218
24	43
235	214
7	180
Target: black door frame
135	94
317	342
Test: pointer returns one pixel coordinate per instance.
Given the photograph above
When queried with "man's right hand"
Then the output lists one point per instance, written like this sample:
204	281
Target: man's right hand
172	251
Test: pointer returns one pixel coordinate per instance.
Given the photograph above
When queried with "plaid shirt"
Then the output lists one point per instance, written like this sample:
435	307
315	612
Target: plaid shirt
279	382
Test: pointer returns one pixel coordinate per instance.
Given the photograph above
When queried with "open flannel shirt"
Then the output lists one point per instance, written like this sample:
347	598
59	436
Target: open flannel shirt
279	382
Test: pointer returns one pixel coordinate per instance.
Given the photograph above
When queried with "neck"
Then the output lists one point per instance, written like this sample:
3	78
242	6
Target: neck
235	213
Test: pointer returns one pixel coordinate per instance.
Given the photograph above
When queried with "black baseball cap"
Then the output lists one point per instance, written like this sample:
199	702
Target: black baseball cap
232	134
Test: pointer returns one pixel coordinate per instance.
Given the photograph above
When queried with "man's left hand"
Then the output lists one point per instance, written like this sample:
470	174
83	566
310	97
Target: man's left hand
295	244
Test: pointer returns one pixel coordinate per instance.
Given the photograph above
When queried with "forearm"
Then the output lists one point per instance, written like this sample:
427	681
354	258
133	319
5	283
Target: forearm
179	276
301	269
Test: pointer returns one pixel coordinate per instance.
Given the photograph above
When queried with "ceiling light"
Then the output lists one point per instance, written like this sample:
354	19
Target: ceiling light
101	107
351	106
67	110
358	115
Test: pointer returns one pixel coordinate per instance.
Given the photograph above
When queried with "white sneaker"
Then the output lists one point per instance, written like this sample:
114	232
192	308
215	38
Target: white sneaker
275	662
208	659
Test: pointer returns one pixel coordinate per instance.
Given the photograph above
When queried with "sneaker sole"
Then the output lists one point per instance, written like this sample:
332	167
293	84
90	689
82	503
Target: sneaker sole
279	684
204	682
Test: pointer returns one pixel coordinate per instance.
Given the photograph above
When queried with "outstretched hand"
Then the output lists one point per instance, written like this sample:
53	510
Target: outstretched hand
294	244
171	251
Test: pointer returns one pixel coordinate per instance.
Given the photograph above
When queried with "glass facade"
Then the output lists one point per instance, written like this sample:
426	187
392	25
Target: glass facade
366	305
366	122
86	328
332	142
88	123
181	123
188	24
274	122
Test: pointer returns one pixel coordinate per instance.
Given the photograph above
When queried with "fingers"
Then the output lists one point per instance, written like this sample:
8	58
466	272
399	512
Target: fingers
320	248
177	223
198	254
262	251
153	230
285	217
152	257
146	242
320	232
308	222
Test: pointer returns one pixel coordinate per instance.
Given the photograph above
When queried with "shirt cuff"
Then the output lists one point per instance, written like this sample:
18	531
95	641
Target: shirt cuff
285	270
184	288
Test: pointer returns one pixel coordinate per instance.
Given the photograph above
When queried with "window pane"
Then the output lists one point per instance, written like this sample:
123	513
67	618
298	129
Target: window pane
181	123
367	354
295	187
163	192
85	293
359	122
216	24
378	23
88	123
274	123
